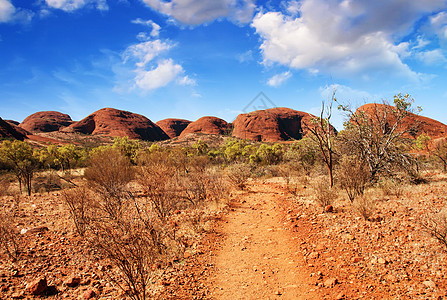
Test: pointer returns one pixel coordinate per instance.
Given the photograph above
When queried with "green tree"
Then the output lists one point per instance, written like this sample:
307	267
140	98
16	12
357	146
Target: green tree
129	148
22	157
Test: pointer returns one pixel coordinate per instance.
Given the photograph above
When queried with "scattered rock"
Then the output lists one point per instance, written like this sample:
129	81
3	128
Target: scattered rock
329	209
37	287
89	294
429	284
357	259
73	281
331	282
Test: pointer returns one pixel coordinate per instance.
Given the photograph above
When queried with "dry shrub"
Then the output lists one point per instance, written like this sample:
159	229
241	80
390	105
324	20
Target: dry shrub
10	239
365	205
4	186
158	178
436	226
238	174
218	188
353	176
324	194
133	244
289	172
79	204
391	187
108	175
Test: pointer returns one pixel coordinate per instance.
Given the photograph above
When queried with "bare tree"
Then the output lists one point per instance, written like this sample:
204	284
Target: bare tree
323	133
375	135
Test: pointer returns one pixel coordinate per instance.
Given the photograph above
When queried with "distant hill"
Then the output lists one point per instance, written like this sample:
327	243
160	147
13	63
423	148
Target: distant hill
46	121
272	125
207	125
8	131
113	122
422	125
173	127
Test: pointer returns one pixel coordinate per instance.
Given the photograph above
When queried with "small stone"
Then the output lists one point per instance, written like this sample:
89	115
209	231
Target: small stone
187	255
331	282
340	296
357	259
89	294
313	255
429	284
382	261
73	281
37	287
329	208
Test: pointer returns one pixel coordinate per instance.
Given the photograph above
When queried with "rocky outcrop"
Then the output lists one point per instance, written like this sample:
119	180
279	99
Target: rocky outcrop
118	123
46	121
413	124
173	127
9	131
207	125
272	125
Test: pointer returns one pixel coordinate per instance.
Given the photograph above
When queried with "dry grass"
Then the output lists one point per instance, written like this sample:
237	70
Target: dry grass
365	205
238	174
324	194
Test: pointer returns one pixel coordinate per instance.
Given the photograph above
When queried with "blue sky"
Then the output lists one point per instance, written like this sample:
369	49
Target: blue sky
191	58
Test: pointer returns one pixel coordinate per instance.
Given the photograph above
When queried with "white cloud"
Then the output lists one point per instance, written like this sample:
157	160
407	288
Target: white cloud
72	5
186	80
432	57
279	79
165	72
155	32
7	11
145	52
195	12
342	37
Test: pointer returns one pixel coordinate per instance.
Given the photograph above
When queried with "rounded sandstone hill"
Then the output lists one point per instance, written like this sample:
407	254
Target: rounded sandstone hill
415	124
9	131
173	127
113	122
46	121
207	125
272	125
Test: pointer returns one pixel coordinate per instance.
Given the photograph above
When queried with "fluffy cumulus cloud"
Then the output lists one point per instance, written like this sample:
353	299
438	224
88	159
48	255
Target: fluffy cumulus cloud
7	11
72	5
195	12
153	70
342	37
165	72
279	79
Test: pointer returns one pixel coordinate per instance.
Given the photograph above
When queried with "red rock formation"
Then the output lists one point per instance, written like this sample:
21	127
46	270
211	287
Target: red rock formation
207	125
173	127
417	124
114	122
272	125
11	131
46	121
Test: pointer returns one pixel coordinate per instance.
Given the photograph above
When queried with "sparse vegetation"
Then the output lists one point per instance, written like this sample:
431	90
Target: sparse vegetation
238	174
353	176
324	194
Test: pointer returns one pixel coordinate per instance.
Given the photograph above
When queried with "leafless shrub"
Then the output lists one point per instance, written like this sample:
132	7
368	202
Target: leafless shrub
391	187
365	205
4	185
10	239
133	243
79	203
108	175
288	172
324	194
218	188
238	174
353	176
158	177
436	225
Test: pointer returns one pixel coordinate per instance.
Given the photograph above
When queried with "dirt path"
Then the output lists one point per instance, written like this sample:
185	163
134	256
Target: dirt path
258	258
